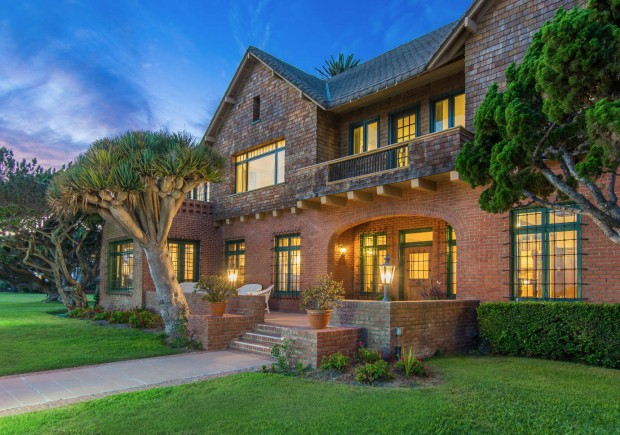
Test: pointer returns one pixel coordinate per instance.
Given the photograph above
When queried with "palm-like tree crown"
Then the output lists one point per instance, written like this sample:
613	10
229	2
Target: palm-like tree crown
334	66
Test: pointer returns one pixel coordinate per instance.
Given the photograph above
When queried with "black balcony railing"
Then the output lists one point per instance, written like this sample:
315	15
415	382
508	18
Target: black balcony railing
367	164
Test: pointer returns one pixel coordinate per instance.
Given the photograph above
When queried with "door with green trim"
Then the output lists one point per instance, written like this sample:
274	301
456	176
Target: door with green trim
417	271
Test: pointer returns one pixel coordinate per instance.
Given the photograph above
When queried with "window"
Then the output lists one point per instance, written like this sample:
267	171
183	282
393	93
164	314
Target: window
120	266
261	167
448	112
200	193
288	264
364	136
404	126
234	257
546	256
256	109
451	263
185	260
372	254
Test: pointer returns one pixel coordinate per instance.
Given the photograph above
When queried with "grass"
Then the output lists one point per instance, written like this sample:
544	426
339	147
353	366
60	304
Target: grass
478	394
33	338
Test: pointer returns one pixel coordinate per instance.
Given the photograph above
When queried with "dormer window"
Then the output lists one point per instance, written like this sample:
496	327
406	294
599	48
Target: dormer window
256	109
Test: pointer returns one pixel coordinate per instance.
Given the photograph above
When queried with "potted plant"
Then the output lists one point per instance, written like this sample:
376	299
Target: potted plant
216	291
320	299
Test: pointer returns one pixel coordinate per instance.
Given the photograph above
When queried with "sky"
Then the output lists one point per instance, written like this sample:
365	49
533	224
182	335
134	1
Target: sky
74	71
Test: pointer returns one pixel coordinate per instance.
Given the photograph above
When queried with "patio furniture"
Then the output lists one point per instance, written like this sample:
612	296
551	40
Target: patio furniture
249	289
266	292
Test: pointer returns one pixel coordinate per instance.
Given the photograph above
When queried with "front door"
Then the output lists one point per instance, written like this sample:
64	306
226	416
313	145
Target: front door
417	276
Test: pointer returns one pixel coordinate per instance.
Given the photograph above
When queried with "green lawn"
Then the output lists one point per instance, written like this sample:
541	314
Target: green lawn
478	394
32	338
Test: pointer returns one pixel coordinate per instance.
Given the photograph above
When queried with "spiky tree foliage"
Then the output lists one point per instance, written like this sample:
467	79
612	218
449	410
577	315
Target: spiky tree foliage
332	66
553	136
138	180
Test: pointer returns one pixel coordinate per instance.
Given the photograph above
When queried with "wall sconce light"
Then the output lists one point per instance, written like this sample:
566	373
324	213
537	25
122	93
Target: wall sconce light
342	250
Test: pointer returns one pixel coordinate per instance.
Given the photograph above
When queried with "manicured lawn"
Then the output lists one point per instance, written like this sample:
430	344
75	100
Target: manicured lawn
478	394
32	338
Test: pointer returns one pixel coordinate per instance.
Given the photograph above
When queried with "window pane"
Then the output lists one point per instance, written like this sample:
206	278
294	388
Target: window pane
404	128
563	264
459	110
173	250
441	115
241	177
190	258
121	266
529	267
419	265
420	237
529	219
562	217
261	172
372	130
453	269
358	139
280	156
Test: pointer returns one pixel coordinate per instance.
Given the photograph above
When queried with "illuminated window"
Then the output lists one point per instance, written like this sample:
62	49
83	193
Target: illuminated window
261	167
372	254
120	266
364	136
288	264
404	126
185	259
419	265
200	193
546	254
448	112
451	263
234	256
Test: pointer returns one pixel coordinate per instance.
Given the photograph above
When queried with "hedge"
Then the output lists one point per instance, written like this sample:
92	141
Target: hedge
569	331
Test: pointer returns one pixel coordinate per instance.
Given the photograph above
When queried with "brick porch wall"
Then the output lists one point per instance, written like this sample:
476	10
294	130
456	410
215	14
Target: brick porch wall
311	345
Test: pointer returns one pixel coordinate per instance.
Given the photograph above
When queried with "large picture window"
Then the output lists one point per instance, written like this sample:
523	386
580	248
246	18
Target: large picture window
234	257
448	112
546	254
288	264
261	167
372	253
364	136
185	259
120	266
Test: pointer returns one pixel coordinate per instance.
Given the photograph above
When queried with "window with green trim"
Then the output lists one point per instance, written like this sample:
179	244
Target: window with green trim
546	253
373	249
404	125
120	266
185	259
451	261
261	167
288	264
448	112
364	136
234	258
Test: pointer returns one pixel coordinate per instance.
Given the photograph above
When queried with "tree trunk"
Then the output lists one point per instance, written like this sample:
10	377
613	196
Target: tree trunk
78	296
172	303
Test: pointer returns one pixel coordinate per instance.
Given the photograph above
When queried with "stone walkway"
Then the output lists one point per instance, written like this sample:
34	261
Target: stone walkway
41	390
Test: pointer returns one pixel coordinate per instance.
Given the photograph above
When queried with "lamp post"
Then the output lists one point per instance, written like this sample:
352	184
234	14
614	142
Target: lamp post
387	275
232	276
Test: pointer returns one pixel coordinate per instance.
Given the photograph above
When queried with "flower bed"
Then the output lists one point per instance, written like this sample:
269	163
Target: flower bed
136	317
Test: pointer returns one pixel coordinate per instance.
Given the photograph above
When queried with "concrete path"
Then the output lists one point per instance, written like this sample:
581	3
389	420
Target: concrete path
41	390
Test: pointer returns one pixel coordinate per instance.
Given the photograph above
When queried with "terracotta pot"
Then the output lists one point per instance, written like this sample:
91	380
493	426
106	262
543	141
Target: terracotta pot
319	318
217	308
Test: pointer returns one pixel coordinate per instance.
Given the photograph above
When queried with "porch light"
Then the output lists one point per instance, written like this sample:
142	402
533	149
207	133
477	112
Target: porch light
387	276
342	249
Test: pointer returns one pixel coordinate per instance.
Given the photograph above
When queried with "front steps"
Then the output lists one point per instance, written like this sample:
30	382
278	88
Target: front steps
260	340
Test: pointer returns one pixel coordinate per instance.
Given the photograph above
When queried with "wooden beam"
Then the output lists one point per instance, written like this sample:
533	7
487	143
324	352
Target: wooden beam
455	177
276	213
359	196
334	201
423	184
230	100
389	191
470	25
209	138
308	205
295	210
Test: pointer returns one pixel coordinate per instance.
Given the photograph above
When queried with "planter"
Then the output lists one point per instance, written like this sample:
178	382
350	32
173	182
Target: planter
319	318
217	308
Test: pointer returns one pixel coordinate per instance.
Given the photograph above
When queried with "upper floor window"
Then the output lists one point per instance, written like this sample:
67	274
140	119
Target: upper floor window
256	109
448	112
234	257
200	193
404	125
546	254
120	266
261	167
185	259
364	136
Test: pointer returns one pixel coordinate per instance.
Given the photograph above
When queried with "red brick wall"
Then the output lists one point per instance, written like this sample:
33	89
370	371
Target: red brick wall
311	345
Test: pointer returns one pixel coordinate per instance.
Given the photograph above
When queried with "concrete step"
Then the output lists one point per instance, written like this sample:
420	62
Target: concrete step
266	338
266	328
251	347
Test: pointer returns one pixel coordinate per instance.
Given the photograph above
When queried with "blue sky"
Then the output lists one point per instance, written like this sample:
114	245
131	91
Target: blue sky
72	71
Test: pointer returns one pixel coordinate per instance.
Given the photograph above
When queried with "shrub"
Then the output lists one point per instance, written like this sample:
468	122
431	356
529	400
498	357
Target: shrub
102	315
410	365
336	361
120	316
216	288
142	318
576	331
325	294
284	356
369	373
433	293
368	356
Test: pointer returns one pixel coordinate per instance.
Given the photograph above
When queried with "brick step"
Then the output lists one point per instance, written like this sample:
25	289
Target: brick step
267	328
251	347
266	338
